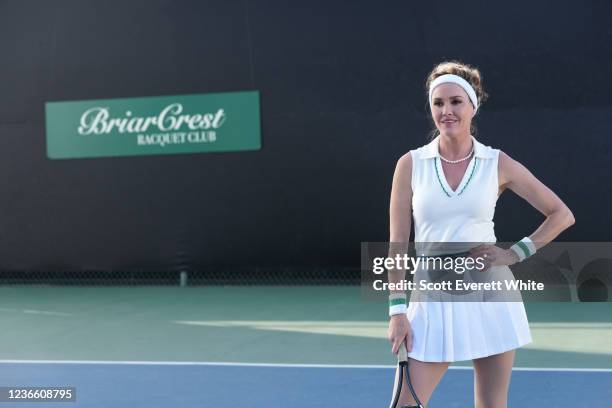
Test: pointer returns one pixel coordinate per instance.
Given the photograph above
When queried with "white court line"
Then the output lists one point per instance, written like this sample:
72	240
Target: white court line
32	311
46	312
279	365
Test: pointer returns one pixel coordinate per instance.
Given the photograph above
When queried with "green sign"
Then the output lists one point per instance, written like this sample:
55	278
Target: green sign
219	122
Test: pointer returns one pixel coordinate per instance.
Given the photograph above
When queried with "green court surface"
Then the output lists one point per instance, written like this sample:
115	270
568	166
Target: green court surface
294	325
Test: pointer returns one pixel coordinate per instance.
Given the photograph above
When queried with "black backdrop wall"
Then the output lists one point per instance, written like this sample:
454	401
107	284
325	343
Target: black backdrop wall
342	97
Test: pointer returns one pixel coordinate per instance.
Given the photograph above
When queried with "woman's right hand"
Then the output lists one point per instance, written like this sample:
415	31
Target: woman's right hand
400	332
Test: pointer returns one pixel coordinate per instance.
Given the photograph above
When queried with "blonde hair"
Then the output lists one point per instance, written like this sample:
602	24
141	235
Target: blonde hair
465	71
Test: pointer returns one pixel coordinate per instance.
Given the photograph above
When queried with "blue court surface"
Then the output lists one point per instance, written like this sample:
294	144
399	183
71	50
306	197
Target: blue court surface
167	347
141	384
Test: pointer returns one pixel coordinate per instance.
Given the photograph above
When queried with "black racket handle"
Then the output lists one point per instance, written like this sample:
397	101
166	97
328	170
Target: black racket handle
402	358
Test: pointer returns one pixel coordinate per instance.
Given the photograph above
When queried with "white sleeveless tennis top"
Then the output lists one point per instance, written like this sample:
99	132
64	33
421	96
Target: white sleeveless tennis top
457	331
464	215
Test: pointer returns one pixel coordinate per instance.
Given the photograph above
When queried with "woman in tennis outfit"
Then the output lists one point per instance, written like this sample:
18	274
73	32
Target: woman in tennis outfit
451	186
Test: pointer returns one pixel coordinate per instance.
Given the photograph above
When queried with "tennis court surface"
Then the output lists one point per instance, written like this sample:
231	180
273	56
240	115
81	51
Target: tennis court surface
266	347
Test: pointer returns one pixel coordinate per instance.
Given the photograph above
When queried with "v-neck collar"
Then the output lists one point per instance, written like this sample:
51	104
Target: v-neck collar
467	175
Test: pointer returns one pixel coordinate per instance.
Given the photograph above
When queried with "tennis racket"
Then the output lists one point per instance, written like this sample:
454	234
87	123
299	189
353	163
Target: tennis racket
403	372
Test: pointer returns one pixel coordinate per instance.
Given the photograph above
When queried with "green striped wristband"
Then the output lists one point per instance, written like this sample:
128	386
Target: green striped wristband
394	302
397	304
524	248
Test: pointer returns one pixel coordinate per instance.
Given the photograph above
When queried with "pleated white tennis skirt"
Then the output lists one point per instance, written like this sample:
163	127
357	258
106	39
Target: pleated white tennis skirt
458	331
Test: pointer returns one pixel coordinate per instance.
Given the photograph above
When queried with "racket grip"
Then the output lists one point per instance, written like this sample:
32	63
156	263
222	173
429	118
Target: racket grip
402	354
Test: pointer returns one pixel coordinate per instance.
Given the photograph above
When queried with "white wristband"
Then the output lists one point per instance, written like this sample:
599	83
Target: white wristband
397	304
524	248
397	309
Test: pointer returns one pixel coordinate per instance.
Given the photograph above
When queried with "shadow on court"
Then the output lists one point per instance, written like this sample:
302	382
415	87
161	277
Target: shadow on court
305	325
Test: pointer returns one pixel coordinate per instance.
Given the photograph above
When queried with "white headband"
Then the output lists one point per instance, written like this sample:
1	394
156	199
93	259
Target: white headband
455	79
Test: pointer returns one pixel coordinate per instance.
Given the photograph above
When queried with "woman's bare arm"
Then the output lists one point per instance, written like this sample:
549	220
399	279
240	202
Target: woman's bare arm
518	178
400	217
400	209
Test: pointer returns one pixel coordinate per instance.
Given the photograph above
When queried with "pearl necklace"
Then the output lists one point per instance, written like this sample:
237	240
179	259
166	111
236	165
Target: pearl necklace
459	160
